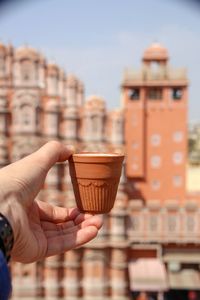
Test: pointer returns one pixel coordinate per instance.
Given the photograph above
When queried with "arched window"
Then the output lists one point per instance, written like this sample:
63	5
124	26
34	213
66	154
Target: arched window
27	119
95	124
51	123
37	117
118	124
27	115
71	126
52	82
97	127
2	66
155	67
29	71
25	70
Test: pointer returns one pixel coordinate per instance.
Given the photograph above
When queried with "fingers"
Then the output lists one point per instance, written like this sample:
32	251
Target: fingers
82	217
70	226
51	153
97	221
27	175
62	243
73	237
43	159
56	214
62	231
50	225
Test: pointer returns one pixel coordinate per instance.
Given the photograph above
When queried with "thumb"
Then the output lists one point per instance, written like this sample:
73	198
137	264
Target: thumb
28	174
51	153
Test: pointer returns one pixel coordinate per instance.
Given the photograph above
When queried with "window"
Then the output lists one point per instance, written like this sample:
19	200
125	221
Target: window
172	224
135	223
135	166
134	94
26	76
26	120
135	185
118	127
155	184
178	157
155	139
52	83
155	94
26	70
177	180
178	136
155	161
176	94
95	124
26	115
2	65
38	112
155	67
53	121
190	223
134	121
153	223
135	145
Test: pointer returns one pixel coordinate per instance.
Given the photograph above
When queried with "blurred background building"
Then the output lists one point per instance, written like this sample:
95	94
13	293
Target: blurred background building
149	246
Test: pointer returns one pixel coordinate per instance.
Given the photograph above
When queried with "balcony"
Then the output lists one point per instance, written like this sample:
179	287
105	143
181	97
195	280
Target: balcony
131	77
166	223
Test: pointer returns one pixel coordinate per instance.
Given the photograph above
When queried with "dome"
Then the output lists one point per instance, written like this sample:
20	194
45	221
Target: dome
62	74
51	105
3	104
117	113
52	69
3	142
3	48
70	112
80	86
71	80
27	52
95	101
156	52
3	150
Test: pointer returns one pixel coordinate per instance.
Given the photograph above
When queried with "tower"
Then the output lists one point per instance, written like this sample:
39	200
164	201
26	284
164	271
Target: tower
155	106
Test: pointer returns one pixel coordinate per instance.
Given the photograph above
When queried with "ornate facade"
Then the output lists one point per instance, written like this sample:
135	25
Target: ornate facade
145	245
155	110
194	144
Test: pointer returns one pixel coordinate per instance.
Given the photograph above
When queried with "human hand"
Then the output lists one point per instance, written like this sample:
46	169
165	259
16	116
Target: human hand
40	229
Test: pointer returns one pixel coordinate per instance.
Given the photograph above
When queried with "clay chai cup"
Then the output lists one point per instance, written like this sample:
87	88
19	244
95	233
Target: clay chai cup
95	178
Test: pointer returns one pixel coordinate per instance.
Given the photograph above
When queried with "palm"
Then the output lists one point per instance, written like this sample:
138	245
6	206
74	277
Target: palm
45	234
40	229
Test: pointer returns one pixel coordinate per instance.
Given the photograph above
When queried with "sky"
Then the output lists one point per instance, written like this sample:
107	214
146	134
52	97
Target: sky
97	40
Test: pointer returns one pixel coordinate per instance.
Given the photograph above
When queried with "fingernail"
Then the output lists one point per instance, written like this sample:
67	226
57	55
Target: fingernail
71	148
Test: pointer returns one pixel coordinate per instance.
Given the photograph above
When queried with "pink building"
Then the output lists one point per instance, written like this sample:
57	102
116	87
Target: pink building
150	241
155	106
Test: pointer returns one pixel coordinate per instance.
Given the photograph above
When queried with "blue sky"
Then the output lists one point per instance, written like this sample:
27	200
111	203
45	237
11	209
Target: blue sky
96	40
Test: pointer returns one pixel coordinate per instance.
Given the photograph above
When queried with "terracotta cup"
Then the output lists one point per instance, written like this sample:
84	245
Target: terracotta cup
95	178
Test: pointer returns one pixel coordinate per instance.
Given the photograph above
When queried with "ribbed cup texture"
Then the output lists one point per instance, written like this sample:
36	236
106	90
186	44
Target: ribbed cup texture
95	181
95	196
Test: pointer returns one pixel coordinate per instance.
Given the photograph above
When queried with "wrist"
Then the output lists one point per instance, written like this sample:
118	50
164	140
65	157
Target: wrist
7	224
6	237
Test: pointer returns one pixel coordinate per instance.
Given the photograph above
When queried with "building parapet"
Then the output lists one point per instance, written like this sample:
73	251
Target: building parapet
166	223
148	75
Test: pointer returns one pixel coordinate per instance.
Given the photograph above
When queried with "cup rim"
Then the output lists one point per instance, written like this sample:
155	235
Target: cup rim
96	157
91	154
